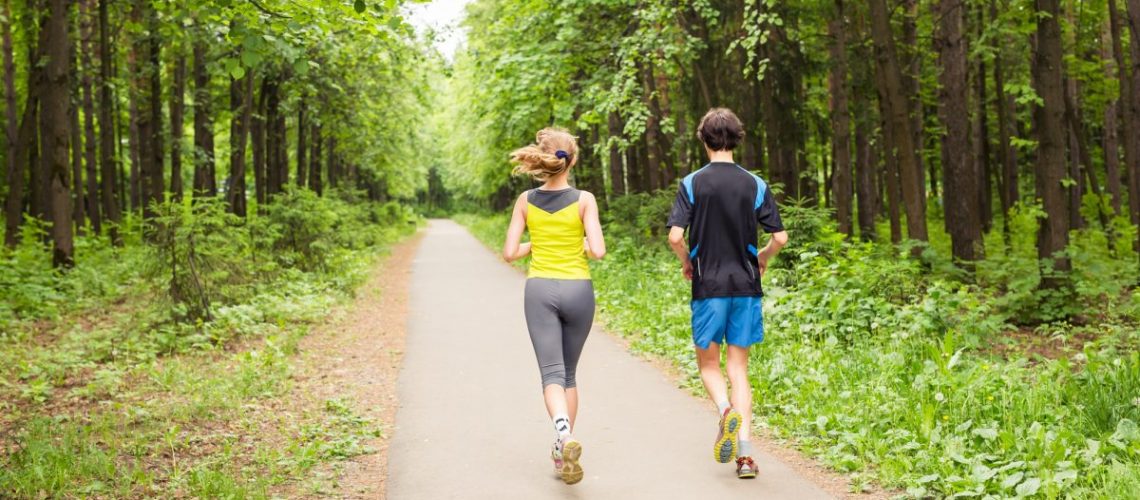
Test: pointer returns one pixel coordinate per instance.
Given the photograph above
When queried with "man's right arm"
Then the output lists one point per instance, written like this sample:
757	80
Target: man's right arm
680	218
677	243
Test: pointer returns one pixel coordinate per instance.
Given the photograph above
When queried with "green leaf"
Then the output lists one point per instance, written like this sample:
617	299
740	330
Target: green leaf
360	6
1029	487
1012	480
987	434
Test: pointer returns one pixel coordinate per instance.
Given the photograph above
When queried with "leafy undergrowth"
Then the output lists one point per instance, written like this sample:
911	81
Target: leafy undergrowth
886	367
165	368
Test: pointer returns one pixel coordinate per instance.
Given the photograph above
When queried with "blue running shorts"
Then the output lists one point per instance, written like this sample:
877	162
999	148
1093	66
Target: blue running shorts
734	320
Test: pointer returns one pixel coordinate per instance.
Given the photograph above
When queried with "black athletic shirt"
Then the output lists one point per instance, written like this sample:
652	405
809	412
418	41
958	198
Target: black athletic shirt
722	204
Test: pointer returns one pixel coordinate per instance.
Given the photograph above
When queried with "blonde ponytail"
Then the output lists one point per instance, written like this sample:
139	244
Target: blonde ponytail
553	152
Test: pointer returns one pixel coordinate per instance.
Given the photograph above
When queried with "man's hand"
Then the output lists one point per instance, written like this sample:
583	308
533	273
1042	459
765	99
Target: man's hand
762	263
687	269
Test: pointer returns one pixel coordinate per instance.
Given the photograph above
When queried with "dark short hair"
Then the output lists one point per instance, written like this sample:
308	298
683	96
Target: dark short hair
720	129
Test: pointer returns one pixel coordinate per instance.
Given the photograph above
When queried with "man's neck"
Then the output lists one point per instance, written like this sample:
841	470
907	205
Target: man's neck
720	157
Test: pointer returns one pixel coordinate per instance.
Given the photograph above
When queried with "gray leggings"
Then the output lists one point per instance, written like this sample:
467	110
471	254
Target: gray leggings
559	314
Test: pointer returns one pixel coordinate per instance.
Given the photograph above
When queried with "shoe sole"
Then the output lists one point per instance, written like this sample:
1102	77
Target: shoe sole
746	475
724	451
571	469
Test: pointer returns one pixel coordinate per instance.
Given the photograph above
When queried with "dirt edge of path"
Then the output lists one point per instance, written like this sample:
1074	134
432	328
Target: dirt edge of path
358	356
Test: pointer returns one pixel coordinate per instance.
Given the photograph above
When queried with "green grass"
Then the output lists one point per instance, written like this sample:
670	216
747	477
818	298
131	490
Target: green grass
886	368
109	387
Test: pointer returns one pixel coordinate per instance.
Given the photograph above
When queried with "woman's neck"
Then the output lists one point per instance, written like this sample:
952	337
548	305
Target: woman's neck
557	182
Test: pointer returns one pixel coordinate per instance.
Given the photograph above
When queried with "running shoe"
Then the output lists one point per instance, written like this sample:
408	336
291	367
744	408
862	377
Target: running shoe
571	469
745	468
725	448
556	456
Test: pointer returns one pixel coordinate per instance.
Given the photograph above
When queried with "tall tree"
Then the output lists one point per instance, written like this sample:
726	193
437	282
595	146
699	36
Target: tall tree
13	203
91	150
75	148
1009	192
617	173
241	90
902	136
1048	117
315	161
1110	141
55	131
108	161
1132	123
301	146
841	184
205	174
177	118
257	140
960	178
983	166
150	123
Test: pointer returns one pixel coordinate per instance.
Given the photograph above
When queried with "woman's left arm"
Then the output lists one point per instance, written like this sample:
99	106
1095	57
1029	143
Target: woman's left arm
595	242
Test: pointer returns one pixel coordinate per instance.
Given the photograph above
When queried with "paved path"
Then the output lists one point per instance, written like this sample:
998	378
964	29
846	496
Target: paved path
471	423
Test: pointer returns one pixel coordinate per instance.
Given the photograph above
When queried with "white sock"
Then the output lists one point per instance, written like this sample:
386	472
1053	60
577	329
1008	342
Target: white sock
745	449
562	425
723	405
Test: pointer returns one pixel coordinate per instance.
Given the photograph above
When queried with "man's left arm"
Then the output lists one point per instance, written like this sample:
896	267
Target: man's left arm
768	215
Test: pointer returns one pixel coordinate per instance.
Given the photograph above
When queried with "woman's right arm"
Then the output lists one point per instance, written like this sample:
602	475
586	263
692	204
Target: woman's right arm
512	249
595	242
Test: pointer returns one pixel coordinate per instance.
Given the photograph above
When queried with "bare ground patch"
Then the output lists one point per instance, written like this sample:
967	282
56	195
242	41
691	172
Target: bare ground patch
358	357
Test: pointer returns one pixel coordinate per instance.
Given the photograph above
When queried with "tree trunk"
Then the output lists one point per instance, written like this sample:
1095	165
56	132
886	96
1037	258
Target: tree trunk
1110	46
54	131
37	175
1009	193
134	137
652	131
90	142
902	135
911	72
631	168
1053	234
257	136
108	162
1127	125
865	177
315	161
75	148
840	121
960	181
301	146
617	174
282	155
333	176
177	118
983	166
1074	192
205	173
1132	123
16	153
269	126
151	154
241	91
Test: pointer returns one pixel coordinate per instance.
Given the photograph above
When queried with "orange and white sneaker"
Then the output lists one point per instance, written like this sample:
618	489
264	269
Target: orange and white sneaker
556	456
725	448
745	468
571	454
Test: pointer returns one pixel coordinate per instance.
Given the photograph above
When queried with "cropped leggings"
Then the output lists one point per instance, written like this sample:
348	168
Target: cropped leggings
559	314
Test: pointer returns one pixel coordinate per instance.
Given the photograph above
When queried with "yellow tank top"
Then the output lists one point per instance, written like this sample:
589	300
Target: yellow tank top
557	248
